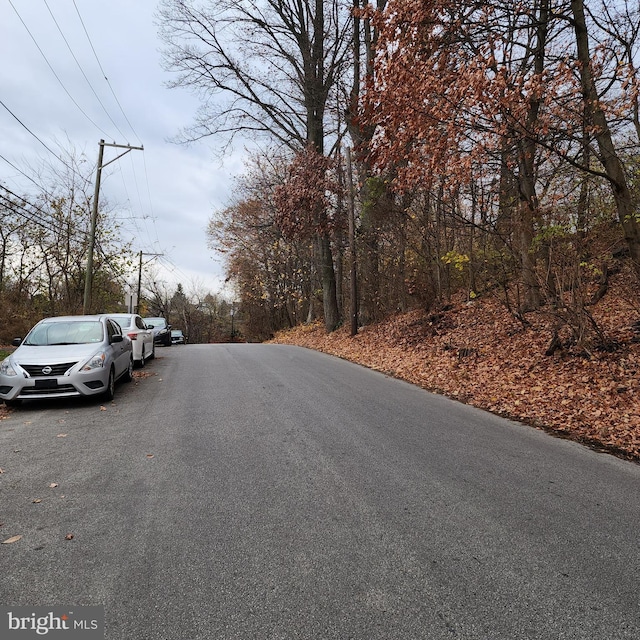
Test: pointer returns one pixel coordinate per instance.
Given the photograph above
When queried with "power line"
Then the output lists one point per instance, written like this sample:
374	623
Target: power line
153	217
36	137
10	204
82	70
104	75
28	177
30	216
56	75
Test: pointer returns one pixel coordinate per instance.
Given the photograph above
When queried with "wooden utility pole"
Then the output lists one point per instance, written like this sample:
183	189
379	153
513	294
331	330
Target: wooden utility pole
94	217
142	253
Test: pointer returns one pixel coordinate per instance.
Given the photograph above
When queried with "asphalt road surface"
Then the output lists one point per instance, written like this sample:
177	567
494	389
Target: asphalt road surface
270	492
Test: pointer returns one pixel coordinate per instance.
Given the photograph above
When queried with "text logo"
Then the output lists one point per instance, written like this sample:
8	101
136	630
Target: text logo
70	623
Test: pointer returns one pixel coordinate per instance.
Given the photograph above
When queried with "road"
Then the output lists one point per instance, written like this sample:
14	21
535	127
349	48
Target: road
270	492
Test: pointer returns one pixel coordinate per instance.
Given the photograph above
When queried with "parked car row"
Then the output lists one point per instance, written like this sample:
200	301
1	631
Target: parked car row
70	356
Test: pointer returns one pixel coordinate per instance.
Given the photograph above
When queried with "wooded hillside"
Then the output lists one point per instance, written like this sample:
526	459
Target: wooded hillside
478	186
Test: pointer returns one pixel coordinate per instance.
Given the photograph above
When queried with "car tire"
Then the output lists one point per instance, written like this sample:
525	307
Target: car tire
142	361
110	391
153	352
127	376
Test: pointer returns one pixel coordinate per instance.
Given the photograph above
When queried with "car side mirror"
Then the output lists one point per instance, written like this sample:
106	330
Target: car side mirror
117	338
16	342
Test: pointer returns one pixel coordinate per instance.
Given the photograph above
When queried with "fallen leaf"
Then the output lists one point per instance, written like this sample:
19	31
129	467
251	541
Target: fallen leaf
103	408
12	540
1	470
53	485
150	455
69	536
36	501
61	435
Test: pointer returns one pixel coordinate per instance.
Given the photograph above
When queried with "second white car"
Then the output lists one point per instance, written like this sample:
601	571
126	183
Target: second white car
134	327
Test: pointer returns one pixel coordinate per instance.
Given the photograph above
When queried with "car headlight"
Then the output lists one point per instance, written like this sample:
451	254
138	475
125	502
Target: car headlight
95	362
6	367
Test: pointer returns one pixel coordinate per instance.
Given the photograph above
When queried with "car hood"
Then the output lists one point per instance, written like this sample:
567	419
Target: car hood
55	354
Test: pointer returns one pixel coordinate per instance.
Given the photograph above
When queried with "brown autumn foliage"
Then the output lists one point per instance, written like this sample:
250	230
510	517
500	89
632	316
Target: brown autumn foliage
480	354
302	205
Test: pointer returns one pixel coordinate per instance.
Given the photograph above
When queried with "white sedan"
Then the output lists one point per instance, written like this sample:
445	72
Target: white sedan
141	336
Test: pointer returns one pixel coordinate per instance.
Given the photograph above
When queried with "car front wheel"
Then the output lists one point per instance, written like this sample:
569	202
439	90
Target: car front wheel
110	392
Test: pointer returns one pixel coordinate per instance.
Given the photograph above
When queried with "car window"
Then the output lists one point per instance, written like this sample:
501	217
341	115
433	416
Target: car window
139	323
61	333
113	329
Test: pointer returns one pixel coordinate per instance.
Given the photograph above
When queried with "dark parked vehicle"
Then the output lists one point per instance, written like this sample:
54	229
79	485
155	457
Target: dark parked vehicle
161	330
177	337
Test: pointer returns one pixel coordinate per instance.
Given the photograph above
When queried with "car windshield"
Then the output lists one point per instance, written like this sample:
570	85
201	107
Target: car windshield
58	333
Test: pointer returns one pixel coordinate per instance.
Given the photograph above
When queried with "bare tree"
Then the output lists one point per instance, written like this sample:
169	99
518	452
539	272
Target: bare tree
262	68
608	154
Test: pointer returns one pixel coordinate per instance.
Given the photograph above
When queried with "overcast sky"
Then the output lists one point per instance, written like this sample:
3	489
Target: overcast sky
165	195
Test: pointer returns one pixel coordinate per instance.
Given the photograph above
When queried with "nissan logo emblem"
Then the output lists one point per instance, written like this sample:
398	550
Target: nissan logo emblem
47	370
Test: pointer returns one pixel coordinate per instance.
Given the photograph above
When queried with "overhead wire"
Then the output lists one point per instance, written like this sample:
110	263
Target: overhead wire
73	55
144	217
75	102
28	177
84	113
104	75
135	177
45	222
20	171
47	225
51	151
153	217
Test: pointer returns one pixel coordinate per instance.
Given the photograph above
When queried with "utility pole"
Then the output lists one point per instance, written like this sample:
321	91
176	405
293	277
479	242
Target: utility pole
94	216
155	255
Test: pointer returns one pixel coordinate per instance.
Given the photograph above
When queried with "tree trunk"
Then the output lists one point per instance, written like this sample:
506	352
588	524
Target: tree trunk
329	294
608	156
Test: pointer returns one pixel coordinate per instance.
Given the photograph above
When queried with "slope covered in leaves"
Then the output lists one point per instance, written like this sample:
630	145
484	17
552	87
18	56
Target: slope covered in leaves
480	354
